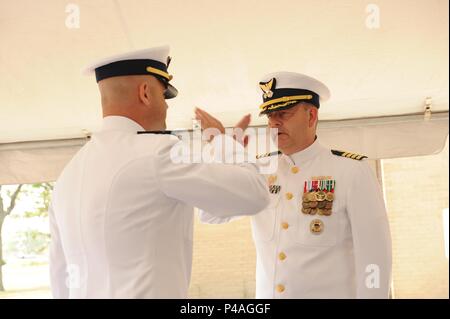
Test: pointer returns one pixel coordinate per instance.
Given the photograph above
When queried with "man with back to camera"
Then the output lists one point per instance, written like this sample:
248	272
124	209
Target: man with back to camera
121	217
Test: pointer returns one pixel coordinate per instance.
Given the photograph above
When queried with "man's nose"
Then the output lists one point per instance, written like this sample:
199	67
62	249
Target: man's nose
274	122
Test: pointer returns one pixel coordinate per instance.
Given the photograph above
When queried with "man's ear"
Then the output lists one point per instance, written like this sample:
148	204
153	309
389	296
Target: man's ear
144	93
313	116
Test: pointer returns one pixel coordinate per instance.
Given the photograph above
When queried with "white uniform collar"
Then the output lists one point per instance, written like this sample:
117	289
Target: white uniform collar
120	123
305	155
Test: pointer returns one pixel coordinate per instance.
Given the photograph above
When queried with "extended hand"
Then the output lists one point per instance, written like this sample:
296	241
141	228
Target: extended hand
209	121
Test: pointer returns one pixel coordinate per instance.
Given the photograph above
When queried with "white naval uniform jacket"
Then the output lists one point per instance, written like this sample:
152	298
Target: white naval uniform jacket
351	258
121	217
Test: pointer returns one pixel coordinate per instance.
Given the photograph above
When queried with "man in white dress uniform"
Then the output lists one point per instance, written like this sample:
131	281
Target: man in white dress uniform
121	216
325	233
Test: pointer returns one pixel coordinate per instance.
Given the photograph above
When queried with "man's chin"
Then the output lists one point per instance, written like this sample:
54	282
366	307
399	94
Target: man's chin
283	141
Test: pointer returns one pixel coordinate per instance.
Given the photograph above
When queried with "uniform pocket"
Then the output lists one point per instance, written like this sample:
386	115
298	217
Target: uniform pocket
317	230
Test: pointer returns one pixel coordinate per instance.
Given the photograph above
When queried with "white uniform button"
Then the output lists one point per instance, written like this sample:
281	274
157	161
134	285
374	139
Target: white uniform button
282	256
295	170
284	225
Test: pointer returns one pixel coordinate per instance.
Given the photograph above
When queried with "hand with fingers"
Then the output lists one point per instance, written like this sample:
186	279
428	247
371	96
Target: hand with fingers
239	130
209	122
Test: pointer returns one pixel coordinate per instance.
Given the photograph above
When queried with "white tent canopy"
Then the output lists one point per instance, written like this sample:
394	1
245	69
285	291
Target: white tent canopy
220	49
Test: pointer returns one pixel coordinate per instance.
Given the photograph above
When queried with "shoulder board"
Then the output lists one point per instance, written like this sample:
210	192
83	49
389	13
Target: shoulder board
268	154
160	132
349	155
154	132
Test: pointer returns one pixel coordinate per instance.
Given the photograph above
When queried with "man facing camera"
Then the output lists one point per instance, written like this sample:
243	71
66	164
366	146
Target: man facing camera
325	233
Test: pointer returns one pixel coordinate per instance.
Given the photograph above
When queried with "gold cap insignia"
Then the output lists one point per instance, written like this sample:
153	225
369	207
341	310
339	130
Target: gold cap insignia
267	87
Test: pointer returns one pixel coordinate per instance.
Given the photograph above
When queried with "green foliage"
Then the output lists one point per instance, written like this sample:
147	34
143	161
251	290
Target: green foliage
41	193
46	190
29	243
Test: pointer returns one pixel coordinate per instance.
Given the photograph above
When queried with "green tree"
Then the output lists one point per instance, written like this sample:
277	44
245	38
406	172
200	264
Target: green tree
43	203
3	213
33	241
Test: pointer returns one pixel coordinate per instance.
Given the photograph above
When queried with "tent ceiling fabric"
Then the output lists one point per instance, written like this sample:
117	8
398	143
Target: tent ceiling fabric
220	49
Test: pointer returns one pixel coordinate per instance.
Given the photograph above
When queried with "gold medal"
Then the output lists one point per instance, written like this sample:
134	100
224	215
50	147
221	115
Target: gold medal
313	211
326	212
311	196
320	196
305	197
316	226
329	205
321	204
313	204
329	196
306	205
306	210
